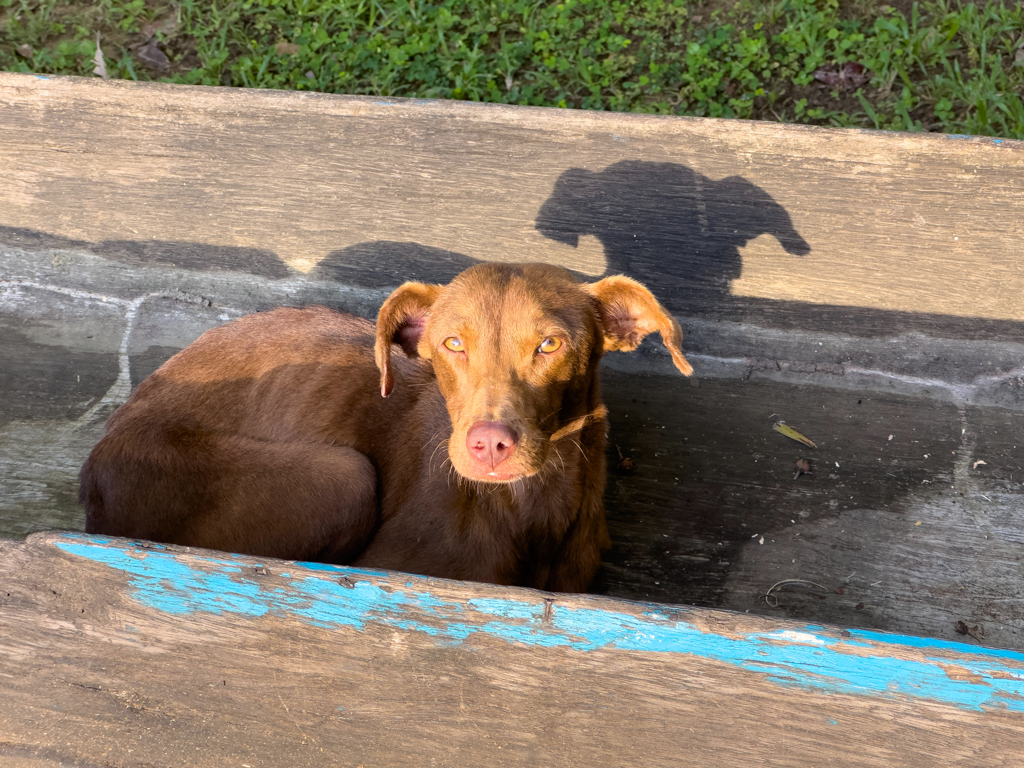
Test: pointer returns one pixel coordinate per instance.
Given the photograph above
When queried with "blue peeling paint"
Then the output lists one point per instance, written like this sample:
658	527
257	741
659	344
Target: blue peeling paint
807	657
927	642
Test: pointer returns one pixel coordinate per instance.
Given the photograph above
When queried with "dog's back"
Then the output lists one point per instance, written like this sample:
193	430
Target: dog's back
198	453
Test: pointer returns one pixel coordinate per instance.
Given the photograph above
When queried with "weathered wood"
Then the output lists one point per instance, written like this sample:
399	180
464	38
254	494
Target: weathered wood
115	654
857	284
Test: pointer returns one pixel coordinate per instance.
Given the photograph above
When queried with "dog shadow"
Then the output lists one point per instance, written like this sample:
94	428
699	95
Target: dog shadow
664	224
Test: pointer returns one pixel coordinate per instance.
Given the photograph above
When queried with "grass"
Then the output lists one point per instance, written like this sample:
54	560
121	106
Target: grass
938	65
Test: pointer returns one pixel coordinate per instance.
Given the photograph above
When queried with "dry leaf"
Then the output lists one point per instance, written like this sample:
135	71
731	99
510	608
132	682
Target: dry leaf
976	631
803	467
152	57
850	75
788	431
167	27
978	463
101	65
286	49
24	50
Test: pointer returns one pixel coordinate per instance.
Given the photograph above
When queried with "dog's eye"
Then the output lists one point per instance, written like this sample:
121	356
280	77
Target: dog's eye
549	345
455	345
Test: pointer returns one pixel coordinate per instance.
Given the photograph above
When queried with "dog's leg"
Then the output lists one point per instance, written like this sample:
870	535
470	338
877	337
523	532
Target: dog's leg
577	560
300	501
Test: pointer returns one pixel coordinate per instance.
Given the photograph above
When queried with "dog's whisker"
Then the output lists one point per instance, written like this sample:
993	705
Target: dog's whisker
558	453
431	439
582	453
443	443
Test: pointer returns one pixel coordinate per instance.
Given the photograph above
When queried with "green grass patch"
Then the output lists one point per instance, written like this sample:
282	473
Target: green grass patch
941	65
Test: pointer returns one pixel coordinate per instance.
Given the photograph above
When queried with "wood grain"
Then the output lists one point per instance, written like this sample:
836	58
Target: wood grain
119	655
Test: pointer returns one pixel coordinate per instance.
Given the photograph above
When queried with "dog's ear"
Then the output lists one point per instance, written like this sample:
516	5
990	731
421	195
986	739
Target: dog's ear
629	312
401	320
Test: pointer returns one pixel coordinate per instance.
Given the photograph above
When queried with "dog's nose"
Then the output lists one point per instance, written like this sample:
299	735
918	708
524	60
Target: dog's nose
490	442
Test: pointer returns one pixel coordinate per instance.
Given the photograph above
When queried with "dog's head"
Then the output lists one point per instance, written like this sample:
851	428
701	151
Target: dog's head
515	349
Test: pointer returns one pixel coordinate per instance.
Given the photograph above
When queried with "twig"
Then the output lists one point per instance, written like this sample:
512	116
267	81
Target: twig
768	597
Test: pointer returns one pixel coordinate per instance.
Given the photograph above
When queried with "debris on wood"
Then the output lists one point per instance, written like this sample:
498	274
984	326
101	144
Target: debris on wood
840	591
625	463
964	629
788	431
803	467
978	463
860	606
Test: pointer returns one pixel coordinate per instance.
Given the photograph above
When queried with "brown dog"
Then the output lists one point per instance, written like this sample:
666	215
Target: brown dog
483	460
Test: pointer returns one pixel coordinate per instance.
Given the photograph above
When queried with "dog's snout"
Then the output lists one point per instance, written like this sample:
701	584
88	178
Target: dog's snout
491	442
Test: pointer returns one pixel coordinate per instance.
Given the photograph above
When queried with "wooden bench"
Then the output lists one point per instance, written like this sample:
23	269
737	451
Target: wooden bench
866	288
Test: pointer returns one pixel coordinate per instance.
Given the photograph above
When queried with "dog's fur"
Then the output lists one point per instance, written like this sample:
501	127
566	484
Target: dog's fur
269	435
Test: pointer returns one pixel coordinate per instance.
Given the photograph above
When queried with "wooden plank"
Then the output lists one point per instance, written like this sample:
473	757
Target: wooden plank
922	224
118	654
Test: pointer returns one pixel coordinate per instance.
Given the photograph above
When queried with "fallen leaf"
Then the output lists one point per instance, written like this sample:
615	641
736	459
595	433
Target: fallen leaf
152	57
850	75
286	49
24	50
803	467
792	434
101	65
167	27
